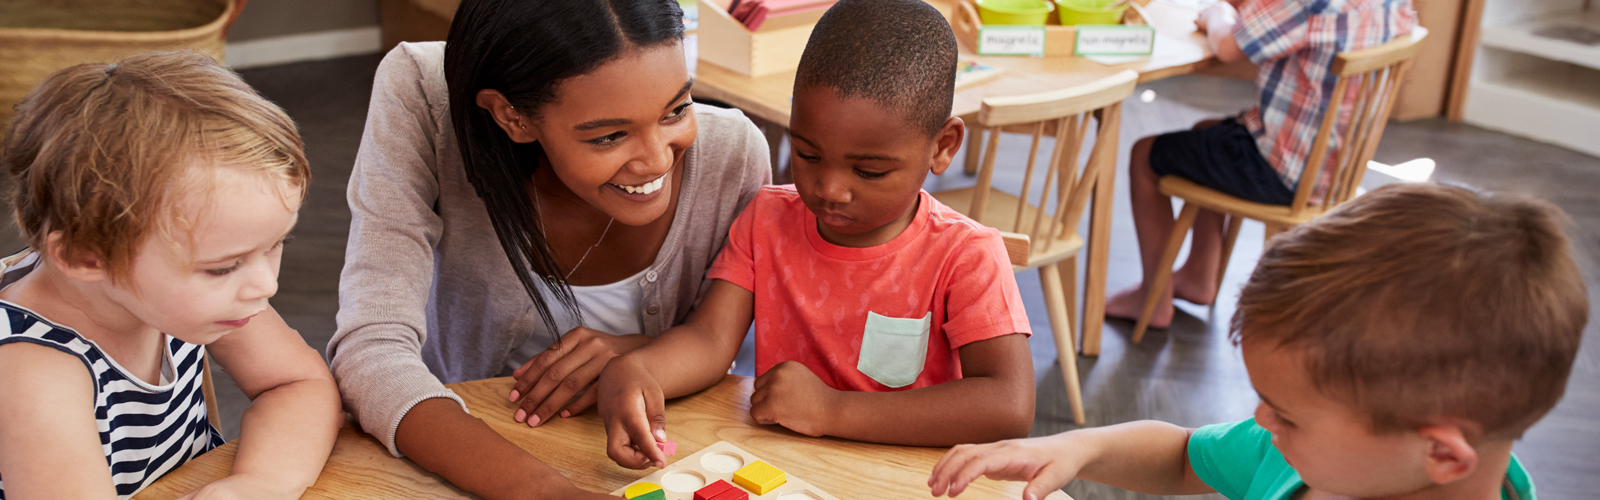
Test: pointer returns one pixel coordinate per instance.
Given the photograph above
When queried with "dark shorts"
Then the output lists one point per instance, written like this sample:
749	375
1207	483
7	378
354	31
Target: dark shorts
1221	157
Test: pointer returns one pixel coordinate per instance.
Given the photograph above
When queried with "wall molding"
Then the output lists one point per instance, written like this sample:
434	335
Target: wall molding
304	47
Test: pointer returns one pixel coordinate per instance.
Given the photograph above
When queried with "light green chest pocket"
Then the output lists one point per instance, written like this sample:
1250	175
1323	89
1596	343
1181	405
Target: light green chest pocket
893	350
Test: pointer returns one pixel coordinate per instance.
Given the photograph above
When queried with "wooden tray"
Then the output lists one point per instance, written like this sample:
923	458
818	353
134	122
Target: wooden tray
1059	41
719	461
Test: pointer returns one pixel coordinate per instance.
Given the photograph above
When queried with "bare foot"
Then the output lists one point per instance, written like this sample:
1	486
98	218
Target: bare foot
1128	304
1197	288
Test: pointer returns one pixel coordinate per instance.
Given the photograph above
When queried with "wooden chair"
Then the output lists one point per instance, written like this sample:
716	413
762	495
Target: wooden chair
209	390
1377	74
1035	237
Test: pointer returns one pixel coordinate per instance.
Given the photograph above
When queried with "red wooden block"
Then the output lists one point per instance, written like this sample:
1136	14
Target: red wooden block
711	491
732	493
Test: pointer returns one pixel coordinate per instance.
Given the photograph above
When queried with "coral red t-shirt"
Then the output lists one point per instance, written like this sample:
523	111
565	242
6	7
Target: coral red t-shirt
883	318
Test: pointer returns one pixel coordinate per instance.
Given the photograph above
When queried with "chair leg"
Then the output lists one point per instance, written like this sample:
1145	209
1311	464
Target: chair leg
1055	301
1228	240
974	150
1272	230
1164	268
1069	289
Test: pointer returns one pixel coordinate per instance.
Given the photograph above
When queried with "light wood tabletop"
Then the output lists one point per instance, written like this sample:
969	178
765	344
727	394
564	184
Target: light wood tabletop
1179	50
362	468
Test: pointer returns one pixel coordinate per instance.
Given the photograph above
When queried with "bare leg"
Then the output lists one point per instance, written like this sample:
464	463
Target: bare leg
1152	220
1196	281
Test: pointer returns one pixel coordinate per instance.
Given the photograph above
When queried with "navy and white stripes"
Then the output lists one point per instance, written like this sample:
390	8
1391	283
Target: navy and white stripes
145	430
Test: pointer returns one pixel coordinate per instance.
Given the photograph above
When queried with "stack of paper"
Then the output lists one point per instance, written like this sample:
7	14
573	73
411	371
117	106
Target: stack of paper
754	13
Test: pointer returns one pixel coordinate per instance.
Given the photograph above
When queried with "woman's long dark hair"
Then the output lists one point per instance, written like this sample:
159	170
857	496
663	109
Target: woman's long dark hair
524	48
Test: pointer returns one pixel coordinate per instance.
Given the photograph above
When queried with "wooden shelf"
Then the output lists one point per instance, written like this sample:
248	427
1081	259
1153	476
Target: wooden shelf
1525	38
1558	104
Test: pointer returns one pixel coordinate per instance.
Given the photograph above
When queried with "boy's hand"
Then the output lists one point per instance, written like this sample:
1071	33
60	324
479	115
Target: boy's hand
243	486
548	381
1046	463
792	396
634	410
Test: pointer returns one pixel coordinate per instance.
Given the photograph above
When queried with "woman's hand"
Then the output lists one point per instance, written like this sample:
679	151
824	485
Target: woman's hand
1046	463
791	395
549	381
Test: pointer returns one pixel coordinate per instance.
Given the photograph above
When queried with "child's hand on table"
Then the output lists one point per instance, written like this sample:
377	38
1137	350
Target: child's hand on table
243	486
548	382
1046	463
634	409
792	396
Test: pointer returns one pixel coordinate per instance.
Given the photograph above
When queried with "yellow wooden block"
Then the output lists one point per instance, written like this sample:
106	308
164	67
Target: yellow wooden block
759	477
644	491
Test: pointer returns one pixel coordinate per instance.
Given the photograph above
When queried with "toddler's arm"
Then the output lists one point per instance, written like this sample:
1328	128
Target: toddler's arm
687	358
287	433
993	400
1217	22
49	444
1148	457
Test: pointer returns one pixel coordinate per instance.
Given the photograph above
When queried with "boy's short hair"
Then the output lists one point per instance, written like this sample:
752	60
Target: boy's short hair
99	152
898	53
1419	302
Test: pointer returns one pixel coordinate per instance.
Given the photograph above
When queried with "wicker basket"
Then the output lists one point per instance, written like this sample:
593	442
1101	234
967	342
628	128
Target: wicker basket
40	37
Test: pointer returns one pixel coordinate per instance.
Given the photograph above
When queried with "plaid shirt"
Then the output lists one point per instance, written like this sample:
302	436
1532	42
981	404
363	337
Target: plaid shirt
1294	42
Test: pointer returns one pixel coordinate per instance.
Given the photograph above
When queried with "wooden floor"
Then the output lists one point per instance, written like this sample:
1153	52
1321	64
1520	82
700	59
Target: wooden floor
1189	374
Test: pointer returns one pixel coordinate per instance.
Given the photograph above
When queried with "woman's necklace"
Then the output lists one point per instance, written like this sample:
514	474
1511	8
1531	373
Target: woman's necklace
537	205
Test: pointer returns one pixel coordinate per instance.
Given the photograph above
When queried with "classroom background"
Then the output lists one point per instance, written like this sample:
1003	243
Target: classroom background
1495	100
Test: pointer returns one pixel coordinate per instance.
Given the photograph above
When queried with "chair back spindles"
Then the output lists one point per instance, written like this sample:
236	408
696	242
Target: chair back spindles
1375	74
1027	178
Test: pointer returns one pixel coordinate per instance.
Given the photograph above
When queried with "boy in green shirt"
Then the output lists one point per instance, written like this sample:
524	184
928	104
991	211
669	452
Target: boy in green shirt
1400	344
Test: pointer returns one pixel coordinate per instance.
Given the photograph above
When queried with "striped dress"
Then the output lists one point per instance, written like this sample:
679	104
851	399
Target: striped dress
145	430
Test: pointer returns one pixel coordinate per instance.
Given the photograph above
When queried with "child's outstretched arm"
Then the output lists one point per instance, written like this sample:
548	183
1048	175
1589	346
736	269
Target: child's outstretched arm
1148	457
49	443
633	389
294	417
993	400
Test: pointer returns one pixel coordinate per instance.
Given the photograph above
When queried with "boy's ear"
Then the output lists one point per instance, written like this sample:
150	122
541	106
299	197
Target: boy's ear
948	141
1450	456
81	266
519	127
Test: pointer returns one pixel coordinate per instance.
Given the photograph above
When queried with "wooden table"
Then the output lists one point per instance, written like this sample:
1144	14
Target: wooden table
362	468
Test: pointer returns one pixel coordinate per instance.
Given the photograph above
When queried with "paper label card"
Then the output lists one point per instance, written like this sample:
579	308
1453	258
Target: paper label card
1011	41
1115	40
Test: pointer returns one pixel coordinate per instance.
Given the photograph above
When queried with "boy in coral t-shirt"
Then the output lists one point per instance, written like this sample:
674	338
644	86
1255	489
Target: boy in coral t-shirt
880	314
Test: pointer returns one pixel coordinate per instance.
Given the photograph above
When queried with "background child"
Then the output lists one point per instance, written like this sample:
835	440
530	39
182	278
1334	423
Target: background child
1259	154
1400	344
155	195
880	314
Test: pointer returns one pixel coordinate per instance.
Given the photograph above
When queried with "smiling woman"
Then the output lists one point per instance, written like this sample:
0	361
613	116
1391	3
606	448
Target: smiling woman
534	197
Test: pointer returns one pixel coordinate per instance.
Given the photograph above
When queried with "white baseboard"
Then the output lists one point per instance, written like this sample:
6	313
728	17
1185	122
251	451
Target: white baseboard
304	47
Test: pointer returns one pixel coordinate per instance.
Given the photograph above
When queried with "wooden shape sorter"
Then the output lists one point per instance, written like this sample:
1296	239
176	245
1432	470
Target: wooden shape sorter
719	463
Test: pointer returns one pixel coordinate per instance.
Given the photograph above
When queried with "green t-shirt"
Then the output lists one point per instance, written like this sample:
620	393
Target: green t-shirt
1240	462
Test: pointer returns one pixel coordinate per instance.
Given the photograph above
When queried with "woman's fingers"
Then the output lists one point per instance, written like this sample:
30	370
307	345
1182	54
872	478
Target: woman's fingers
531	371
582	403
573	385
558	376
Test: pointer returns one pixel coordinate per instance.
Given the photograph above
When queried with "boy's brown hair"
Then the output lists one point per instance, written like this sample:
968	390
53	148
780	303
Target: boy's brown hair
1421	302
99	152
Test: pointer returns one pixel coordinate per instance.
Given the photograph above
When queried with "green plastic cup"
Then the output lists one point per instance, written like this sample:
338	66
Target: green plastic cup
1075	12
1023	12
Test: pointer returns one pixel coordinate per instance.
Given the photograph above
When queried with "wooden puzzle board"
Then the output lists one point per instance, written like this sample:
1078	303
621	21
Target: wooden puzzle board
680	479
